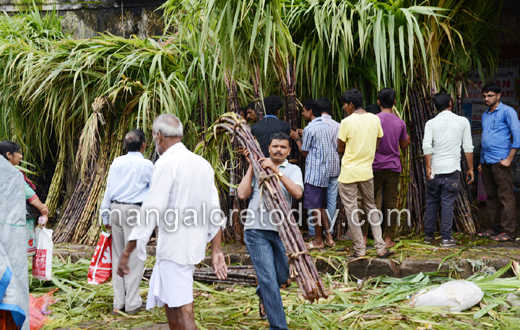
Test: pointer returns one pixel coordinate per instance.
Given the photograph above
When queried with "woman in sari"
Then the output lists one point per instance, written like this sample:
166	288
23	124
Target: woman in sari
11	151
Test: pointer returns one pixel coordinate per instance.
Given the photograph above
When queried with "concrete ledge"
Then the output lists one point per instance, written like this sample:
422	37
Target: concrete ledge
359	268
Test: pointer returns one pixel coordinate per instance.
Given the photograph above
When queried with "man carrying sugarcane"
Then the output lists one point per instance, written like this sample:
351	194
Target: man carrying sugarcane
260	231
443	137
270	124
315	145
358	140
500	143
128	183
183	202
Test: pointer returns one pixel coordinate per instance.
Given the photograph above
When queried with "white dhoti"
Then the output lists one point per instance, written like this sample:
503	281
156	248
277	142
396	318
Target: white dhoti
171	284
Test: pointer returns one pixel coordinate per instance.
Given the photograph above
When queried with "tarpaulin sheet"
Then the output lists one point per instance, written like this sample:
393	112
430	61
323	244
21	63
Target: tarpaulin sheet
14	279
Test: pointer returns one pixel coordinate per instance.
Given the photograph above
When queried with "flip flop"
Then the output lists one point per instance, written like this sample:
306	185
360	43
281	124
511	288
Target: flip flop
331	246
137	310
120	310
387	254
488	233
355	256
502	238
311	246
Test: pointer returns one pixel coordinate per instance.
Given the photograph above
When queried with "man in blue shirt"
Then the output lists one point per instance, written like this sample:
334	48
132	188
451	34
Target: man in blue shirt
500	143
128	184
270	124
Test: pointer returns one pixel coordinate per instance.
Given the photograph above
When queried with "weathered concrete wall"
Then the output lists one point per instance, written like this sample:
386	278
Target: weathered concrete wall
88	18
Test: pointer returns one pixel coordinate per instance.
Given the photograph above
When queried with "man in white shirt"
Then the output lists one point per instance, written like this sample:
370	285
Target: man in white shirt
128	183
183	202
443	137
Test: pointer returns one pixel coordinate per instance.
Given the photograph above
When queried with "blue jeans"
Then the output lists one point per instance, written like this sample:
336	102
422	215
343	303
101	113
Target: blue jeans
442	191
332	200
272	270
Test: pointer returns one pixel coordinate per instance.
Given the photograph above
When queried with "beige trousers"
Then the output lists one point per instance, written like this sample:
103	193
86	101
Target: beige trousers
126	289
349	197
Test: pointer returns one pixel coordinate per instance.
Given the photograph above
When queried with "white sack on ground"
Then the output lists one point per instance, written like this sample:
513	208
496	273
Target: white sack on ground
456	296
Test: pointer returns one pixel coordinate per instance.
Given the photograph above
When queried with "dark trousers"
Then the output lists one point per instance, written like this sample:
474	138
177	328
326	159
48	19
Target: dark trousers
442	191
389	181
272	270
498	182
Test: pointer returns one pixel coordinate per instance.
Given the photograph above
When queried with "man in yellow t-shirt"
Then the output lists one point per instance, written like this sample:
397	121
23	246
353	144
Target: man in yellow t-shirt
358	139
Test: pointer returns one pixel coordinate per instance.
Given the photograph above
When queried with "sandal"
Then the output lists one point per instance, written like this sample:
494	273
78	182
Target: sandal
386	255
331	246
260	307
502	238
311	246
488	233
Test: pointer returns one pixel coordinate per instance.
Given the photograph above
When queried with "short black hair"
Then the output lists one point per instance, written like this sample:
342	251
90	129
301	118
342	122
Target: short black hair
353	96
279	136
373	108
313	105
441	101
8	146
242	110
251	106
134	140
387	97
272	104
326	105
491	88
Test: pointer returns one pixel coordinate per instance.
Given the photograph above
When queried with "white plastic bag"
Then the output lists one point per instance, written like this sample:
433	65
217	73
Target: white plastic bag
456	296
42	260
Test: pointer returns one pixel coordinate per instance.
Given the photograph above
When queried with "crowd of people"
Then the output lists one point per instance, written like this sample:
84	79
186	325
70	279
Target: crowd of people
357	159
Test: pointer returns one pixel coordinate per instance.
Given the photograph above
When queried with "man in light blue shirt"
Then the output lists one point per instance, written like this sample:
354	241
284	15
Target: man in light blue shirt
500	143
128	183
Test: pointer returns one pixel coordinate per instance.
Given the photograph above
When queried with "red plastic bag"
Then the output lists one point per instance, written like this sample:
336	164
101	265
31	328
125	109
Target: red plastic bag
38	310
42	260
100	268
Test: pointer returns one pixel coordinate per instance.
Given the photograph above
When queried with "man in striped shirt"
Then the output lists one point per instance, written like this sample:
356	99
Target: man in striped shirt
316	147
443	137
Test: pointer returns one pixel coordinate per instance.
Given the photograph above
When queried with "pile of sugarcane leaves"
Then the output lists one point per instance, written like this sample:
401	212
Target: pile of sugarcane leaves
375	303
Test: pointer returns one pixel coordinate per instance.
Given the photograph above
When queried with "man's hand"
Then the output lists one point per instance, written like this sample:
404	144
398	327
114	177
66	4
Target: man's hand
244	152
471	176
267	163
300	132
408	139
479	168
219	264
505	163
428	173
294	135
123	269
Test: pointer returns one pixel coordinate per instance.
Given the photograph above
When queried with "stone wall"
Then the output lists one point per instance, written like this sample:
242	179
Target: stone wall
88	18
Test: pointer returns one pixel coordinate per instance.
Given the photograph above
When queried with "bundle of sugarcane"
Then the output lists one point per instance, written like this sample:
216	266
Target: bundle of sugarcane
242	275
421	110
301	265
54	194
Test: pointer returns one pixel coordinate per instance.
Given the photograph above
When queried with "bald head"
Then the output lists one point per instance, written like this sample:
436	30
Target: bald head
134	140
168	125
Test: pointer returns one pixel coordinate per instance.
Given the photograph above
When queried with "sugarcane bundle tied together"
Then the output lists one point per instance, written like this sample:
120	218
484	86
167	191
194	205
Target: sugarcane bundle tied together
301	265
